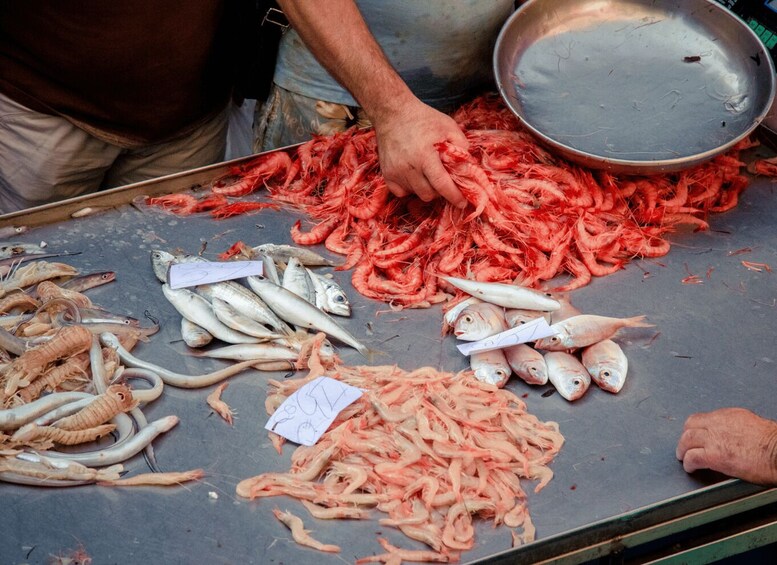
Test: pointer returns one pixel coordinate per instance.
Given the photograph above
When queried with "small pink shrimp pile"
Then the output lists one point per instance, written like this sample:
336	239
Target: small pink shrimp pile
531	215
429	449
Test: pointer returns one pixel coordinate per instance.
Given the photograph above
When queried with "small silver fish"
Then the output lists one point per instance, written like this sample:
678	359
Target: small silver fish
286	252
527	363
199	311
193	335
506	295
231	317
300	313
297	280
586	329
10	231
479	321
567	374
607	365
252	351
330	297
490	367
269	268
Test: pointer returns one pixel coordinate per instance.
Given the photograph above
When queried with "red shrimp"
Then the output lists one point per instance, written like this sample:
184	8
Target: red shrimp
237	208
269	166
318	234
181	204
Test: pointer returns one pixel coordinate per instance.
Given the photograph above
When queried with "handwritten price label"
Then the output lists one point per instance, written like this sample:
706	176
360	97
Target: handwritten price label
530	331
307	414
182	275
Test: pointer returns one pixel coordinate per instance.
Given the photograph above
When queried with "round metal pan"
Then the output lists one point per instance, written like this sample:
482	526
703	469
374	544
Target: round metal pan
635	86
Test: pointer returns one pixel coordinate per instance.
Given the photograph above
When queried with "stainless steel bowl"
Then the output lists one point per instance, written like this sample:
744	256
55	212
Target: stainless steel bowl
636	86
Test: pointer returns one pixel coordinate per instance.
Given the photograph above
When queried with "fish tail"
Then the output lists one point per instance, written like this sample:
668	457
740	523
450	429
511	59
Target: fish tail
370	354
637	322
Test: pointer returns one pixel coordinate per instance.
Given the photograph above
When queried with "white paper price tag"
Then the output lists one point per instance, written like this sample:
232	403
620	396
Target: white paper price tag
530	331
182	275
307	414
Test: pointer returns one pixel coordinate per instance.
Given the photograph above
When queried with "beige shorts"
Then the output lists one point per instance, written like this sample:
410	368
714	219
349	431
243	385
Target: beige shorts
287	118
45	158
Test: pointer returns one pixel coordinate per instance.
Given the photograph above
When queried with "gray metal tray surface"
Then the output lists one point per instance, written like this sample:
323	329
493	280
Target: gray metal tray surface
713	345
638	85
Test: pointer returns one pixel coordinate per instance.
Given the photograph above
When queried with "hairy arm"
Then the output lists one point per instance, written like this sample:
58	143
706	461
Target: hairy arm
406	128
733	441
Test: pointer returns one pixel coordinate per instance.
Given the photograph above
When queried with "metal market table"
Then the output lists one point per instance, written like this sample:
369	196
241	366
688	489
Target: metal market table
618	490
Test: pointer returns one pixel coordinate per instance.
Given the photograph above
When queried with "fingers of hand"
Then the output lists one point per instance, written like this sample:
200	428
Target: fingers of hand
691	438
442	183
695	459
397	189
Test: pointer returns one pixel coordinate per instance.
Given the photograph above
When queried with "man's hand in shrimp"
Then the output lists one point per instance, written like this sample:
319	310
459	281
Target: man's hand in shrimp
409	160
732	441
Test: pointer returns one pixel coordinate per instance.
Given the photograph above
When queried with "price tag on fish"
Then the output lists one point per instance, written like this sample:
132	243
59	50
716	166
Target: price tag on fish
182	275
307	414
524	333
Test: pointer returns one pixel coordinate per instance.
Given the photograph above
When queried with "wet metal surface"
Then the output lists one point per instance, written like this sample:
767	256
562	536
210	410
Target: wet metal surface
713	346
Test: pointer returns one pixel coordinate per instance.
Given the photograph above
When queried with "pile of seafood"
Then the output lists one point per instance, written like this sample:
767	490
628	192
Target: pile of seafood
429	449
579	350
62	391
532	217
265	323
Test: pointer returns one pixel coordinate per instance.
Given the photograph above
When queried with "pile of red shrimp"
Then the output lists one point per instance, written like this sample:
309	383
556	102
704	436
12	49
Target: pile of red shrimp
531	217
430	449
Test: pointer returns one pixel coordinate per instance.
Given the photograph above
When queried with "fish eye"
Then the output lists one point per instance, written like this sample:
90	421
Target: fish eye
340	299
466	318
606	373
554	339
577	382
502	373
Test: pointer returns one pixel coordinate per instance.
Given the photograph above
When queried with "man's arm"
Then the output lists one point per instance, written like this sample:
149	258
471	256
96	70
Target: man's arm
732	441
406	128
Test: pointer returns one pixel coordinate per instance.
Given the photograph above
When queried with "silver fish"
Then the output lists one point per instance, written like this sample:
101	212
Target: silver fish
506	295
607	365
567	374
527	363
198	310
253	351
10	231
298	312
161	261
490	367
479	321
245	302
236	295
269	268
193	335
285	252
330	297
586	329
237	321
297	280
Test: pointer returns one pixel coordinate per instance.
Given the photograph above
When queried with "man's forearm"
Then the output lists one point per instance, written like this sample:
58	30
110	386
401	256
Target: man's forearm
337	35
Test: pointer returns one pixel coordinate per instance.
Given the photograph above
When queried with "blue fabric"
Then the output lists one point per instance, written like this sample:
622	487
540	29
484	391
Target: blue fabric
441	48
